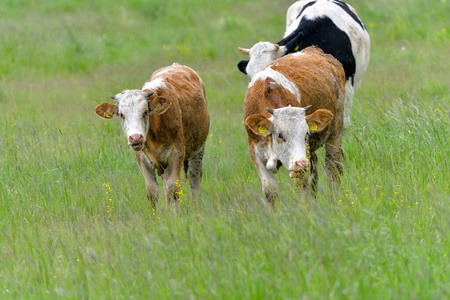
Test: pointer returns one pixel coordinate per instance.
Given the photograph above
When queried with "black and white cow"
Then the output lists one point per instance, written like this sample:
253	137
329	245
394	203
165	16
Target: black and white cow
333	26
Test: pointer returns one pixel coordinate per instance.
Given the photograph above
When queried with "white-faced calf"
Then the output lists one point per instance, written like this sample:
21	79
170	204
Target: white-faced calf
166	123
292	108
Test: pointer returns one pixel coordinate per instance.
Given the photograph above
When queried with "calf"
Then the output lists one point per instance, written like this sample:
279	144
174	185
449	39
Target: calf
166	123
333	26
279	130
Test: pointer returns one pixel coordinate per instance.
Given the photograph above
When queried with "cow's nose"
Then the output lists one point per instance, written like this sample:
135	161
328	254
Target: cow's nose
136	139
300	167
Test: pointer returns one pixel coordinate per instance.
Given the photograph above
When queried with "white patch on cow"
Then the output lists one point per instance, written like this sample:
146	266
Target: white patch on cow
279	79
290	122
297	53
349	92
294	10
155	84
262	54
133	104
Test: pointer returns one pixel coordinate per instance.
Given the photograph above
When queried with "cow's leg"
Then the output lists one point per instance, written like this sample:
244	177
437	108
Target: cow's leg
314	176
268	182
308	183
148	172
171	177
196	172
333	159
349	92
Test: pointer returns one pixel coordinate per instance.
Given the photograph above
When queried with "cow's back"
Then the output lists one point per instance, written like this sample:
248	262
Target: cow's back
319	77
185	89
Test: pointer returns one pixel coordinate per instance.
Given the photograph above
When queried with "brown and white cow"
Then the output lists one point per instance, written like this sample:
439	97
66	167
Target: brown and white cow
166	123
280	132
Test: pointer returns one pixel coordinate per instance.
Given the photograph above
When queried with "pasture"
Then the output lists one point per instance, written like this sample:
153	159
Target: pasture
74	219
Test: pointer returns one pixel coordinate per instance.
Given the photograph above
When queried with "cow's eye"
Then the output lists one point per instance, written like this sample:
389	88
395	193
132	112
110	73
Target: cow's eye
145	113
121	115
280	136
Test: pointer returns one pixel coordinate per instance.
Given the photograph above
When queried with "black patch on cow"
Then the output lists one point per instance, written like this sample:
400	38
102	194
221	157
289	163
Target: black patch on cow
349	12
242	66
323	33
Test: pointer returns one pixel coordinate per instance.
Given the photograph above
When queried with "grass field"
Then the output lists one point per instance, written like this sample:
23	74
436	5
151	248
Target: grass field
74	219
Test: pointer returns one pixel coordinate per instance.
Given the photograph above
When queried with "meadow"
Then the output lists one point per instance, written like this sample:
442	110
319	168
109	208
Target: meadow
74	219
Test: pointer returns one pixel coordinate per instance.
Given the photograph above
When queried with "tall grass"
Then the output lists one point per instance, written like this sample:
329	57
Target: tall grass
75	222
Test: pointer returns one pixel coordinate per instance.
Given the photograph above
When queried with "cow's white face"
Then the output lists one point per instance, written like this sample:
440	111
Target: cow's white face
290	128
260	55
289	135
134	108
133	111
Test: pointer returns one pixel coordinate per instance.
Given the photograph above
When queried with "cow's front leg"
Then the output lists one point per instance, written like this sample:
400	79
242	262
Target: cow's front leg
309	182
148	172
333	163
171	178
268	183
314	176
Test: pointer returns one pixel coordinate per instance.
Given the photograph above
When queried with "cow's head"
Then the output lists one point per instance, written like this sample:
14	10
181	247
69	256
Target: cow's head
134	108
261	54
290	128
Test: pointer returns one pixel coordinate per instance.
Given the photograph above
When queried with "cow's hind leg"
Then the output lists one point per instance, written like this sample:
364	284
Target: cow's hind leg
349	93
148	172
196	172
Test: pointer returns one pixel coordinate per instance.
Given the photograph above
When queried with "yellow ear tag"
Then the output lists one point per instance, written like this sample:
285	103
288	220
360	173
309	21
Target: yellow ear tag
107	115
296	48
313	127
262	130
160	109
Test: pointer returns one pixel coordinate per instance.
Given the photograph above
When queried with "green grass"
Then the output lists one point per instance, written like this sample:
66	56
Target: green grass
74	219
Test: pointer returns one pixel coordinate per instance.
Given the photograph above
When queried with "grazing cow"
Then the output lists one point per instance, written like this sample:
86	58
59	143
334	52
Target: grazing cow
166	123
333	26
278	128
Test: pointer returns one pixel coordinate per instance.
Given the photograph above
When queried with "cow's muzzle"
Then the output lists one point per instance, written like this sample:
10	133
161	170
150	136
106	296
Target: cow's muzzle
301	168
136	142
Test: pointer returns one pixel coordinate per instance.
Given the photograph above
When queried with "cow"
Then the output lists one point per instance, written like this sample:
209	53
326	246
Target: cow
166	123
292	108
333	26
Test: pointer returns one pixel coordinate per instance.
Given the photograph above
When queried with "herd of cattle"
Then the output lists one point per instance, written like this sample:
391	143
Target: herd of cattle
294	104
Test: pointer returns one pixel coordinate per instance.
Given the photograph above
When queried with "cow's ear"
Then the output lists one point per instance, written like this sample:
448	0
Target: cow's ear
159	105
244	50
319	119
281	50
259	124
106	110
